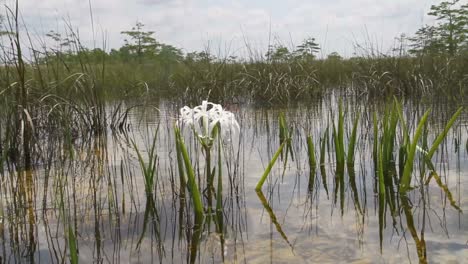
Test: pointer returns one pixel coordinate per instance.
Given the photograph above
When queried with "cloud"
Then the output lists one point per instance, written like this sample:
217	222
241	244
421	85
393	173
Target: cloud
192	25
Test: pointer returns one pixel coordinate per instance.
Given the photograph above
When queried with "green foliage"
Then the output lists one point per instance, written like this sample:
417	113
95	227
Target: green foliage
352	142
425	42
278	53
304	52
335	56
443	134
191	180
407	172
450	33
338	137
307	50
140	42
148	168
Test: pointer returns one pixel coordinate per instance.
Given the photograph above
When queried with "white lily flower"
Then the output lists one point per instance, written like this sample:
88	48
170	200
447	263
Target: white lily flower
205	117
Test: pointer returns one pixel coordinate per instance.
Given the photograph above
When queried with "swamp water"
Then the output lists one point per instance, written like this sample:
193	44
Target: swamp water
87	195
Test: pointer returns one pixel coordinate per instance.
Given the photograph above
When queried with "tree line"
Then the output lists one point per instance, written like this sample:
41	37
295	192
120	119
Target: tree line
448	36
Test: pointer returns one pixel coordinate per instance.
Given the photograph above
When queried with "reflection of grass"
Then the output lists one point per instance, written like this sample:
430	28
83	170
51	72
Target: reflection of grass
338	139
381	194
148	169
219	201
151	214
68	228
418	240
272	215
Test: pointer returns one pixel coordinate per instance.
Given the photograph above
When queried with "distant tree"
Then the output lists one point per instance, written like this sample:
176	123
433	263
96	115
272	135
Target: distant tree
140	42
426	41
169	53
307	50
278	53
203	56
334	56
453	24
62	44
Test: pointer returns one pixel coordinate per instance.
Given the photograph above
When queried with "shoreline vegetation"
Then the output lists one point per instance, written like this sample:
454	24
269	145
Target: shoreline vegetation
432	63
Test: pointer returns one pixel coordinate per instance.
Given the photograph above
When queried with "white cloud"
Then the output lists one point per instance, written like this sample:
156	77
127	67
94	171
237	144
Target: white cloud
191	24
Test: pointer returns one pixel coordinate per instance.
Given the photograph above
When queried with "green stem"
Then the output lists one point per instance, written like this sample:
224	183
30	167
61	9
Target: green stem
270	166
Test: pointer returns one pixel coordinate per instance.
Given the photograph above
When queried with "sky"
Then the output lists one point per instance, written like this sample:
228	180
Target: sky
238	28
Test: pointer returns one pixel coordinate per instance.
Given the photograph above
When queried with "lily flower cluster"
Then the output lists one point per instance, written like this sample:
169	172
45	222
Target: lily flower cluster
206	118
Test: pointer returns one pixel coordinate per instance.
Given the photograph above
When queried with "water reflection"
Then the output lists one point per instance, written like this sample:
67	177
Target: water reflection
92	190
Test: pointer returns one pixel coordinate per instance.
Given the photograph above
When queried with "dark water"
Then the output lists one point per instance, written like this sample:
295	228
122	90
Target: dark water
96	189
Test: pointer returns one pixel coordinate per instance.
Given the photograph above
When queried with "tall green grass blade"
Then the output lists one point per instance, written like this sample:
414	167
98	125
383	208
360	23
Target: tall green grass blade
352	141
407	172
338	136
442	135
219	200
323	171
195	239
323	145
219	192
285	135
403	151
354	190
399	110
180	165
148	169
192	184
312	162
270	166
73	246
375	148
282	131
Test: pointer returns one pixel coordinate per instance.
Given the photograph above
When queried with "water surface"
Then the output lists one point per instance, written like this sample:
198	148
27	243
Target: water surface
94	186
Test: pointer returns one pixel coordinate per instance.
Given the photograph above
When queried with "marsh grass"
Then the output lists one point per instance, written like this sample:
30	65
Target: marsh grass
191	179
267	171
312	162
352	142
149	167
323	172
